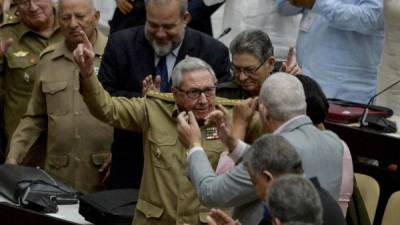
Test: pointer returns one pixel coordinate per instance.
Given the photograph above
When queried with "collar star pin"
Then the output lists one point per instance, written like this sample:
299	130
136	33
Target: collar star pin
21	54
211	133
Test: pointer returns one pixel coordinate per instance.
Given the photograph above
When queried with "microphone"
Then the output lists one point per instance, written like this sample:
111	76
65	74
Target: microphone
225	32
375	121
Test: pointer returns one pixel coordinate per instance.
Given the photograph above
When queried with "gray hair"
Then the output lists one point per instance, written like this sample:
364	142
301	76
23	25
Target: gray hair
275	154
283	95
187	65
292	198
91	5
254	42
182	3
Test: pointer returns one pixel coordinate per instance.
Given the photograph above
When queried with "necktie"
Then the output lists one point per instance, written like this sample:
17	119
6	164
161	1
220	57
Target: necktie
162	70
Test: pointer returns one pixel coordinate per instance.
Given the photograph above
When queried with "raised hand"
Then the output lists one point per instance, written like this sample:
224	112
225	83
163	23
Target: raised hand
188	129
290	66
218	217
5	45
125	6
84	56
150	84
223	120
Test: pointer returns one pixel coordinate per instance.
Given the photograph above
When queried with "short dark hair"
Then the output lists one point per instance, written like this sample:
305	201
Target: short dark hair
253	42
292	198
317	104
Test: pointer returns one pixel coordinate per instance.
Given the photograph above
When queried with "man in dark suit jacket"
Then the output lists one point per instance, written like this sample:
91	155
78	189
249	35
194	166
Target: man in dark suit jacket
131	13
133	54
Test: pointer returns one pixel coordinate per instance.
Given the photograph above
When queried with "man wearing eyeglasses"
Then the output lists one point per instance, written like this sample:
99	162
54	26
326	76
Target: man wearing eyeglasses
252	62
23	38
166	194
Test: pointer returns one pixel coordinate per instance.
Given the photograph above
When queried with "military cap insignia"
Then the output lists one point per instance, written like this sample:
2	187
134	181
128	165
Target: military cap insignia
20	54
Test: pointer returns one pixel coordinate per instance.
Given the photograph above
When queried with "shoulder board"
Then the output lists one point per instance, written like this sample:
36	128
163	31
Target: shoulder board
9	17
229	84
162	96
227	102
47	50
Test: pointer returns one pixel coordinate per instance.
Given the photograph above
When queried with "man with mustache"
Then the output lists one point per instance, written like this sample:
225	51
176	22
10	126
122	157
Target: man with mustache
134	53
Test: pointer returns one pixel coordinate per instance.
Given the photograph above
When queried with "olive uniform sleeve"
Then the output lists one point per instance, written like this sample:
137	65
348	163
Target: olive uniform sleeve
31	126
119	112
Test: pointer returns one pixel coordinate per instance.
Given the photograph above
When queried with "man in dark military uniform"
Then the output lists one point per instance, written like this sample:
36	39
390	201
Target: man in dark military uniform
22	41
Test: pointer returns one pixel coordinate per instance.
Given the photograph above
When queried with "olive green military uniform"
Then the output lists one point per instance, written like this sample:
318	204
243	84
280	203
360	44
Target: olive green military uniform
17	67
166	195
231	90
77	143
9	16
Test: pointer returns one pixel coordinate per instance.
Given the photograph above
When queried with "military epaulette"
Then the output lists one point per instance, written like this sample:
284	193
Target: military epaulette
49	49
159	95
9	17
229	84
227	102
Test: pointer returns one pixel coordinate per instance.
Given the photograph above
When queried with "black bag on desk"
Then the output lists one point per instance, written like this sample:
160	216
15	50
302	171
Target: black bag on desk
34	189
113	207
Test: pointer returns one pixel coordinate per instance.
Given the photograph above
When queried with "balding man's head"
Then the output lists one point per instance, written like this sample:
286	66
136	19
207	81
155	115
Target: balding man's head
76	16
283	96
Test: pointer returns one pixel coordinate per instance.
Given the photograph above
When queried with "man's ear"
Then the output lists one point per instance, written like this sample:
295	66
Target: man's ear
97	16
174	91
263	111
267	176
271	61
187	18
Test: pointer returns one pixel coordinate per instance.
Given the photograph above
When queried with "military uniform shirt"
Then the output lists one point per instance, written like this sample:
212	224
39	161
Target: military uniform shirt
18	67
77	143
166	194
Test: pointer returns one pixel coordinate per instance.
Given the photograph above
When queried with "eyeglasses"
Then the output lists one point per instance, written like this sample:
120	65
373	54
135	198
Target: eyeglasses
195	93
247	71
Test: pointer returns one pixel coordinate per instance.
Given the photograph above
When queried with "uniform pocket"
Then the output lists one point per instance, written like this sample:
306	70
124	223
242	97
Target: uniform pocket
57	101
58	161
149	210
162	149
99	158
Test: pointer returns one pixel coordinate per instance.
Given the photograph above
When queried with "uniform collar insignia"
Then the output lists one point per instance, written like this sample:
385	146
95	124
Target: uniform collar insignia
20	54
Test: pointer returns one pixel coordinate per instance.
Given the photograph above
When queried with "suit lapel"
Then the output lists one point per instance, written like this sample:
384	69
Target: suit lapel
146	56
186	47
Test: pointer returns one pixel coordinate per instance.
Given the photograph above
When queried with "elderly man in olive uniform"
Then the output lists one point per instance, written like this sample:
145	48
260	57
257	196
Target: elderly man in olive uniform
22	40
77	143
166	195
